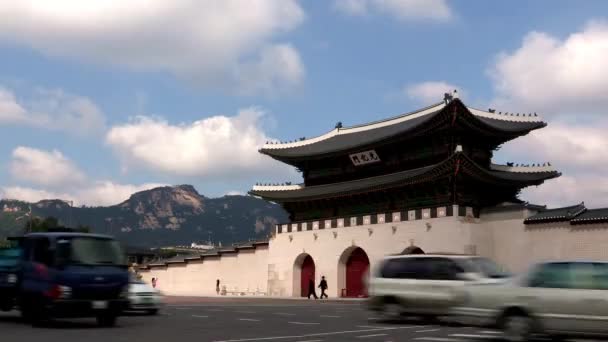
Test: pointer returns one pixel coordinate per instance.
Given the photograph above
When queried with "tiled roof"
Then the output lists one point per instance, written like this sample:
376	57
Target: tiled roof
557	214
399	179
341	139
592	216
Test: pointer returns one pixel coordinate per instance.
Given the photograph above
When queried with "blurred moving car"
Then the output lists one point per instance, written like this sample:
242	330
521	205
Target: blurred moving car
427	284
9	270
565	298
71	275
143	297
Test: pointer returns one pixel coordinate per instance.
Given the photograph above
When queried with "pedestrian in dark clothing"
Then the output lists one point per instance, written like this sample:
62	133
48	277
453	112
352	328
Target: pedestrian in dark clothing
323	287
217	287
311	289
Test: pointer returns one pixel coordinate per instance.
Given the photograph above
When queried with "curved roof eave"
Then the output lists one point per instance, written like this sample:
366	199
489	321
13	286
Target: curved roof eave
300	192
340	139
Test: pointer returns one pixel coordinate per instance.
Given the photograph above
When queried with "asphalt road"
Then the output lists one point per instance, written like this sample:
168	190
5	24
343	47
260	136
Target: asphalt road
245	320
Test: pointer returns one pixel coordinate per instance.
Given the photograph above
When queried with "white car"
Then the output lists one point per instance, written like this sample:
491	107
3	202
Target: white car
564	298
427	284
143	297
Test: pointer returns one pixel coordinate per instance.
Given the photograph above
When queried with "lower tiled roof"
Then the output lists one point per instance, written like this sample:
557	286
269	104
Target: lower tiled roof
557	214
591	216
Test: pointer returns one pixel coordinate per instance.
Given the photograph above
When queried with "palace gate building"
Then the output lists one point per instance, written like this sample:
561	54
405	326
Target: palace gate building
421	182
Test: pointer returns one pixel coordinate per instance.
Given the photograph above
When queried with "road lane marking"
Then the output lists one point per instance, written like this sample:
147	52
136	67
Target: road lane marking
368	326
284	314
473	336
330	316
313	335
311	341
490	332
183	308
199	316
303	323
249	319
215	310
373	335
428	330
437	339
246	312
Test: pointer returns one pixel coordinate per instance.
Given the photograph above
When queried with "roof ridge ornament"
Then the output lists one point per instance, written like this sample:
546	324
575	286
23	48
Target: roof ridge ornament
458	148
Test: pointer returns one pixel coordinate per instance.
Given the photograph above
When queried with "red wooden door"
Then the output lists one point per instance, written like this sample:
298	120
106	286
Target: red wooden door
308	273
356	268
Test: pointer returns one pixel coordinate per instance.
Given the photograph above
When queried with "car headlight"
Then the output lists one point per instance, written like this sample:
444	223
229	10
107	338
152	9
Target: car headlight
65	292
11	279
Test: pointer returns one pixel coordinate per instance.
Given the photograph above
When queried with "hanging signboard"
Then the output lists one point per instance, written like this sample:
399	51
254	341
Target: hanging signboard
365	157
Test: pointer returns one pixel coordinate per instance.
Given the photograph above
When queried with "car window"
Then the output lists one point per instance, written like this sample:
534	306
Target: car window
94	251
485	267
590	276
9	256
444	269
552	275
41	252
406	268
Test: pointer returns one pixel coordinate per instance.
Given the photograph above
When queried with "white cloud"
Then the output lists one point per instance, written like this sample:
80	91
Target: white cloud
553	75
30	194
60	178
400	9
212	42
104	193
53	110
101	193
44	168
430	92
564	79
219	147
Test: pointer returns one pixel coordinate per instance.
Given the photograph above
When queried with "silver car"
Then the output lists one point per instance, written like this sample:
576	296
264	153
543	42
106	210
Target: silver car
565	298
427	285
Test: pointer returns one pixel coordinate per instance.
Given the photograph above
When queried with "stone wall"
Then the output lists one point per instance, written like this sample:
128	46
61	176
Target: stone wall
241	271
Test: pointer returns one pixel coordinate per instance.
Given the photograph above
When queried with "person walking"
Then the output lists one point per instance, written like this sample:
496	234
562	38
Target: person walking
323	287
154	280
311	289
217	287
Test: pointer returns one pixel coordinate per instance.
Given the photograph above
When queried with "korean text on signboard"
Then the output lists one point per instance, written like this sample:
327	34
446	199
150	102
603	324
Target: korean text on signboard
365	157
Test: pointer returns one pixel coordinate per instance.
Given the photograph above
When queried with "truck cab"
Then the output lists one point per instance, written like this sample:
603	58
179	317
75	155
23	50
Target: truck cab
72	275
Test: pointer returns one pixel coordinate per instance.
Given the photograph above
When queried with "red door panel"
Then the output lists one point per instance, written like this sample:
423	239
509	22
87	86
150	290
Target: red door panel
308	272
356	268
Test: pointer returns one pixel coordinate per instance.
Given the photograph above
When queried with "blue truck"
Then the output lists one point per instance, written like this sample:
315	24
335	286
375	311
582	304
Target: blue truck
65	275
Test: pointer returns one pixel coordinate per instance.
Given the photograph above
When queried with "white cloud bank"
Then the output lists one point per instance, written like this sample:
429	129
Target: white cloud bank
60	178
556	76
429	92
52	109
565	79
400	9
219	43
217	147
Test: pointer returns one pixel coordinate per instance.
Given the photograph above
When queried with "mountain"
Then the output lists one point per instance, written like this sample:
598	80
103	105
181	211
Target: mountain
172	215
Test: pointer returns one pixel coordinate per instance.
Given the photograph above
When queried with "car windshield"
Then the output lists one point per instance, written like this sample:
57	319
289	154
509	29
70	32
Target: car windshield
93	251
488	268
9	257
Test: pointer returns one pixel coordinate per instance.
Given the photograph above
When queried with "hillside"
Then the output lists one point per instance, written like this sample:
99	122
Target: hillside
157	217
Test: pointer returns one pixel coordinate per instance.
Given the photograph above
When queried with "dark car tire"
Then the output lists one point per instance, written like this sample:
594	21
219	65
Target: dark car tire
106	320
152	312
6	305
517	327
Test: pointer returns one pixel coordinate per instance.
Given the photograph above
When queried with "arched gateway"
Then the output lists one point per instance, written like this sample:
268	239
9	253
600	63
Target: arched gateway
353	267
303	272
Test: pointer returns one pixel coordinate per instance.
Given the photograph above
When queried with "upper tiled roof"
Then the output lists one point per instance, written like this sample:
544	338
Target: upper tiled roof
557	214
344	138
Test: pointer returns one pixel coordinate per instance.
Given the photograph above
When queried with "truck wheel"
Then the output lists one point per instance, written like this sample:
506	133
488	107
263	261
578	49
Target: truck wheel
106	320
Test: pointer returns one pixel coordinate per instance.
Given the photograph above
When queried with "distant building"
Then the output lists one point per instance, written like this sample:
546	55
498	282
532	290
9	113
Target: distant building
421	182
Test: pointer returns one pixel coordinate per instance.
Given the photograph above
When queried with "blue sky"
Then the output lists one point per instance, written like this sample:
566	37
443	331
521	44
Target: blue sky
105	107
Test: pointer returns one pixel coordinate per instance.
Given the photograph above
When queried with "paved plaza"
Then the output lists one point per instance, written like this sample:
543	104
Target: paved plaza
241	320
